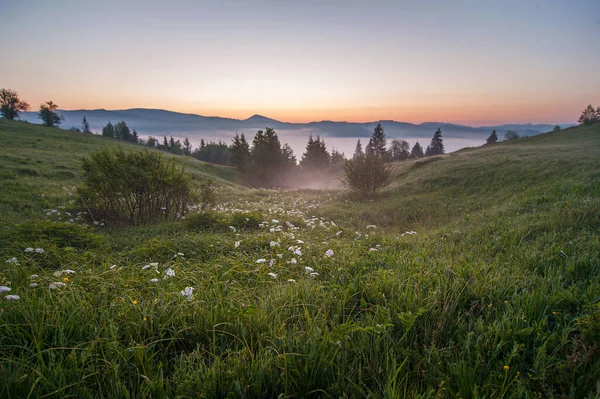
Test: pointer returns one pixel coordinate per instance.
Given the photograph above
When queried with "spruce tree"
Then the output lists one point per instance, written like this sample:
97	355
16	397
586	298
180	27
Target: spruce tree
377	143
417	151
187	146
316	156
85	126
493	138
240	152
122	131
358	151
108	130
135	137
436	147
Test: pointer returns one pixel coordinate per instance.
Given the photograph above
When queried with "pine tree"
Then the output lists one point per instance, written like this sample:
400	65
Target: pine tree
187	146
165	143
202	144
266	157
358	151
85	126
417	151
135	136
240	152
493	138
122	131
316	156
337	160
377	143
436	147
108	130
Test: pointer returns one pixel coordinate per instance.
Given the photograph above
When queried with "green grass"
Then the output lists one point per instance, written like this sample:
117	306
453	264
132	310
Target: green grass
504	270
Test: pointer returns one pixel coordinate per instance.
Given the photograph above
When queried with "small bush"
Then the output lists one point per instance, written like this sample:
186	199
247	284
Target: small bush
249	221
134	188
59	234
208	220
366	175
207	195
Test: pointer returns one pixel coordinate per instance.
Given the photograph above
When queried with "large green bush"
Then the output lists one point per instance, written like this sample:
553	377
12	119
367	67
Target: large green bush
367	174
136	187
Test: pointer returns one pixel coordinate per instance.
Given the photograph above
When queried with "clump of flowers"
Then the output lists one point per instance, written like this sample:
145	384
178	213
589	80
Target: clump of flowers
187	292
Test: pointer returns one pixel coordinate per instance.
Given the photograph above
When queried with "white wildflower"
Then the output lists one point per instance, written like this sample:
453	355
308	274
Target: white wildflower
372	249
291	280
13	261
28	250
188	292
232	228
329	253
274	244
56	285
34	276
58	273
4	288
371	226
309	269
237	244
275	221
339	233
298	252
39	251
272	275
314	274
169	273
154	280
293	261
12	297
33	285
112	267
300	241
261	260
69	271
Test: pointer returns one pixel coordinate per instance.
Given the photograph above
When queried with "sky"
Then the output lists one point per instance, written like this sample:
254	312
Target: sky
477	62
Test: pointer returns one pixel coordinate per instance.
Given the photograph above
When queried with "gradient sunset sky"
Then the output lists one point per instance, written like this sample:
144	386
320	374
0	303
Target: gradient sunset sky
472	62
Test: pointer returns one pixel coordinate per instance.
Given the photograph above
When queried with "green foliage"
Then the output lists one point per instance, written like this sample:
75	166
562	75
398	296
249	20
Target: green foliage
511	135
436	147
11	105
59	234
207	195
85	126
399	150
212	152
316	158
377	143
367	174
589	116
48	114
108	130
240	152
358	151
493	138
417	151
214	221
134	187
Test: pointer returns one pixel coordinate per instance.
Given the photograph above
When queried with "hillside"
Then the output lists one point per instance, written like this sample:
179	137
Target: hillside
476	274
39	165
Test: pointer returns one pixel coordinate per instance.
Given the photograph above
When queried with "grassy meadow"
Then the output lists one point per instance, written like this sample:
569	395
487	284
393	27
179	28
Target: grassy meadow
474	275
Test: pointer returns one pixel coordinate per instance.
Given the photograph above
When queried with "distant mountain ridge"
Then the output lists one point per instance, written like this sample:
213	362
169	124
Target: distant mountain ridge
159	122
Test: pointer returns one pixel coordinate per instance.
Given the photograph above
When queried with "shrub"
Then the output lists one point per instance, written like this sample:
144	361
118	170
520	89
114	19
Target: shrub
133	188
365	175
249	221
207	195
207	220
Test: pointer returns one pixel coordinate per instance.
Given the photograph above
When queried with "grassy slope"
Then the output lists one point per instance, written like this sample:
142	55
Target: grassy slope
504	271
39	163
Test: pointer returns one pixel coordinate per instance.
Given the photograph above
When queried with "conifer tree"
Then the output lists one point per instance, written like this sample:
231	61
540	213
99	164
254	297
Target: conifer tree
316	156
417	151
358	151
85	126
240	152
135	137
493	138
108	130
377	143
436	147
187	146
122	131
